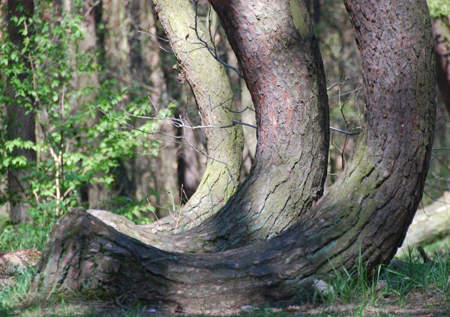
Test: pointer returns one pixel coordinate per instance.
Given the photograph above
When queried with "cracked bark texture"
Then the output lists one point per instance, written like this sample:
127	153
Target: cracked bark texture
367	212
284	73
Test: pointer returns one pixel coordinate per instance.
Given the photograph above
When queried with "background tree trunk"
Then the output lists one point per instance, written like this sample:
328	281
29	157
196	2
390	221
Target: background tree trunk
441	32
132	58
191	161
20	120
366	213
153	177
116	62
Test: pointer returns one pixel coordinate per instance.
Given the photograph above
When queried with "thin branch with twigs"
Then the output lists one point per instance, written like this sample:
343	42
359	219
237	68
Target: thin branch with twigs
212	50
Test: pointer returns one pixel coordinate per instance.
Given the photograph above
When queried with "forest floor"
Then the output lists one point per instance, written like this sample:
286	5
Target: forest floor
417	303
407	287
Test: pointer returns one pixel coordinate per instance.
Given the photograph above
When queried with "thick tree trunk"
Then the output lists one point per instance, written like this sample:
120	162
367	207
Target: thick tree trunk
291	154
20	120
367	212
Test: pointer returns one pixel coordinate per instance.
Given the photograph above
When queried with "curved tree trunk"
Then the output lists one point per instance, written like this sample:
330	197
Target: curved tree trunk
366	212
212	91
291	155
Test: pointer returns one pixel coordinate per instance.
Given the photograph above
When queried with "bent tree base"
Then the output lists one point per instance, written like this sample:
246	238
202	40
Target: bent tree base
367	212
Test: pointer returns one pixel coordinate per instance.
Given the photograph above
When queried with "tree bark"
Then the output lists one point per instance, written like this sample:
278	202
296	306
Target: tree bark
212	91
291	154
366	213
20	119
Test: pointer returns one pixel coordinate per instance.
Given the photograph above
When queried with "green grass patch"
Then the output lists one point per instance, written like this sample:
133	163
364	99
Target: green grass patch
27	235
392	284
4	219
15	293
348	294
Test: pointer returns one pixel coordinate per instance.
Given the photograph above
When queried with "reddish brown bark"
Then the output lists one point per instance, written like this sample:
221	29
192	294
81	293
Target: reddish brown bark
284	72
365	213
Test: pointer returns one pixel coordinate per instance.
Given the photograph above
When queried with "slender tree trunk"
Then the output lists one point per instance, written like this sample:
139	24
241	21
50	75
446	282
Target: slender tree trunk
87	46
212	91
441	31
117	66
152	174
132	58
367	211
20	119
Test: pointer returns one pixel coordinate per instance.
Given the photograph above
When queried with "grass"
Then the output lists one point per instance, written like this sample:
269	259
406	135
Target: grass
26	235
352	295
393	288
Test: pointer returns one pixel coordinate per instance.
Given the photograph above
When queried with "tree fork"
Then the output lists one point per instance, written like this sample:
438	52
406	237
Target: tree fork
366	213
284	72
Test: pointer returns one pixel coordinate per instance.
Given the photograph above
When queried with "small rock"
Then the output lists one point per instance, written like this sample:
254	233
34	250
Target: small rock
247	308
323	287
292	308
18	260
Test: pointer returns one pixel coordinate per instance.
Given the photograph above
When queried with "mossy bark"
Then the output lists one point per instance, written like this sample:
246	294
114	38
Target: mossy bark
291	155
366	213
213	94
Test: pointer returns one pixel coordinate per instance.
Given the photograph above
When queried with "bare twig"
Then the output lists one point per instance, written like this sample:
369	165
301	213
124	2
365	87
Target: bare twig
213	49
346	132
179	123
442	148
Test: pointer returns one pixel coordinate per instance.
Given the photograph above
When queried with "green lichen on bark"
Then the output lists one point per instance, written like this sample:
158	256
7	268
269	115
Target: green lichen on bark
212	90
